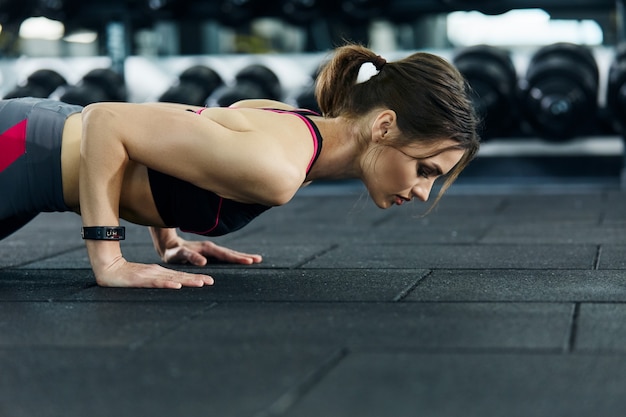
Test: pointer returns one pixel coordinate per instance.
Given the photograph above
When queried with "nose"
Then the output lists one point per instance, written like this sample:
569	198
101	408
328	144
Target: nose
422	190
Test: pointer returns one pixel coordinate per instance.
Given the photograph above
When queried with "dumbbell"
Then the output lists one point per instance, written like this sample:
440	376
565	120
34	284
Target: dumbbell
360	10
616	89
491	74
40	83
255	81
304	98
98	85
559	95
195	85
302	11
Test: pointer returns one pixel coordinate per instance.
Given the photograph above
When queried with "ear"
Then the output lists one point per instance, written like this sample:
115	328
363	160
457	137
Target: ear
384	126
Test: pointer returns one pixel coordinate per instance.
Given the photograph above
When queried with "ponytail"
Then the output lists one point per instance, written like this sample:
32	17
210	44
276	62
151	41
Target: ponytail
338	77
428	94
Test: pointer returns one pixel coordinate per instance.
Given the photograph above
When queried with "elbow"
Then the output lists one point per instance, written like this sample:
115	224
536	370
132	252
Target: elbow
281	197
283	188
97	116
92	109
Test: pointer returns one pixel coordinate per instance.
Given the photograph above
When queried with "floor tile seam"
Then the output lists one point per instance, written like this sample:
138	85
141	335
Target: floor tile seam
409	289
462	244
290	398
391	301
103	301
596	259
522	301
573	329
394	302
353	351
485	351
406	269
43	258
171	329
232	269
459	268
316	255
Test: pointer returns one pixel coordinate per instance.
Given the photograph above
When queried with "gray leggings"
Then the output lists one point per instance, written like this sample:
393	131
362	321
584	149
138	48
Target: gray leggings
30	159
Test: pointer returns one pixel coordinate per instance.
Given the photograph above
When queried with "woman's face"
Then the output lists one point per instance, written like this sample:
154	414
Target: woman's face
396	175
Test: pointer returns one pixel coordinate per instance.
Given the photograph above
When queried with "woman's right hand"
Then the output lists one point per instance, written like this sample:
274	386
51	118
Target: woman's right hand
121	273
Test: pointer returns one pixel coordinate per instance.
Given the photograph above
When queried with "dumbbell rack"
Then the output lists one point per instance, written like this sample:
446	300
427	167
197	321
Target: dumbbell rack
597	159
146	78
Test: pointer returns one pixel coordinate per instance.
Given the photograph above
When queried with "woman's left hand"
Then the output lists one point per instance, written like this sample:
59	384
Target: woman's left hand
173	249
197	252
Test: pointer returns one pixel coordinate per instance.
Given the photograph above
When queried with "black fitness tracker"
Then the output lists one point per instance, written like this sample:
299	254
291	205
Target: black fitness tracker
104	233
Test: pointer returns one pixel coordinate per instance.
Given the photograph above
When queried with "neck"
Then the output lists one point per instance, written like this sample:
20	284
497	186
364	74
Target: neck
340	156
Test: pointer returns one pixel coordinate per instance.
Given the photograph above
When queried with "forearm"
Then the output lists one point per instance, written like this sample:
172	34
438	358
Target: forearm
102	164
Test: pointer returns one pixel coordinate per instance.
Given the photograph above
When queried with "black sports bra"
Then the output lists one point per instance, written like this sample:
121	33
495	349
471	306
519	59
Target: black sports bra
196	210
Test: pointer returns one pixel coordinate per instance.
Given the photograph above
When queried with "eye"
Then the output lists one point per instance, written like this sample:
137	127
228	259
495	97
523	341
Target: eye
423	171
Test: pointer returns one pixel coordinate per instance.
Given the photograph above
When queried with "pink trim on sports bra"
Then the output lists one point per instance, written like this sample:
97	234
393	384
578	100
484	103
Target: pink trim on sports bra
311	131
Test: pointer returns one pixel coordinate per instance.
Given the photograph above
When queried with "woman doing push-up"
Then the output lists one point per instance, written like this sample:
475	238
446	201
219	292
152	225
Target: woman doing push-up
210	171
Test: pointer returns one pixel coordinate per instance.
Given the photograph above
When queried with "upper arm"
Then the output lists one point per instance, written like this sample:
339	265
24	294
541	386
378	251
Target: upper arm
233	158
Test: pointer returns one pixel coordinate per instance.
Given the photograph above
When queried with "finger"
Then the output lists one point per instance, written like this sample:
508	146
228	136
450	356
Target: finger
195	258
177	283
230	255
191	280
159	277
182	256
248	257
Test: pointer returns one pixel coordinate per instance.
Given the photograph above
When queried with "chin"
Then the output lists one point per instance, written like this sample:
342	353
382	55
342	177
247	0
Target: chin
383	204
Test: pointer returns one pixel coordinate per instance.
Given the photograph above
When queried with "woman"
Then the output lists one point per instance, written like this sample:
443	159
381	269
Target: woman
212	170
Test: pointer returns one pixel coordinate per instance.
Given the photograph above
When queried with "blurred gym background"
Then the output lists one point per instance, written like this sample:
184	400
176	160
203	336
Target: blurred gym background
549	76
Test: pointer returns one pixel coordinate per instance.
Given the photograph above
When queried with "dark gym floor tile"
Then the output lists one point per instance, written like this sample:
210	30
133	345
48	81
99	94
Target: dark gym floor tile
42	285
386	233
73	259
47	235
468	205
199	381
417	219
275	255
338	209
428	233
276	285
458	256
601	327
613	256
520	285
321	233
555	232
380	325
615	214
30	324
567	202
542	208
469	385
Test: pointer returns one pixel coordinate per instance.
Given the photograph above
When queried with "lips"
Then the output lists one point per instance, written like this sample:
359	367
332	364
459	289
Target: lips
399	200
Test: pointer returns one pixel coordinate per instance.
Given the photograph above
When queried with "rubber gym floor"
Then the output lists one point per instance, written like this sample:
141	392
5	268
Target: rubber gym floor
498	303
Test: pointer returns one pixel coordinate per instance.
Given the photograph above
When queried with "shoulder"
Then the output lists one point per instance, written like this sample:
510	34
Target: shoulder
268	155
268	104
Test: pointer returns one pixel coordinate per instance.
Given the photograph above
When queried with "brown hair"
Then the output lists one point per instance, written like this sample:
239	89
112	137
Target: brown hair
428	94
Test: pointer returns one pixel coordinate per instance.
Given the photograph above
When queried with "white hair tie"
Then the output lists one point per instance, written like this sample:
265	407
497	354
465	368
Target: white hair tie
367	71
